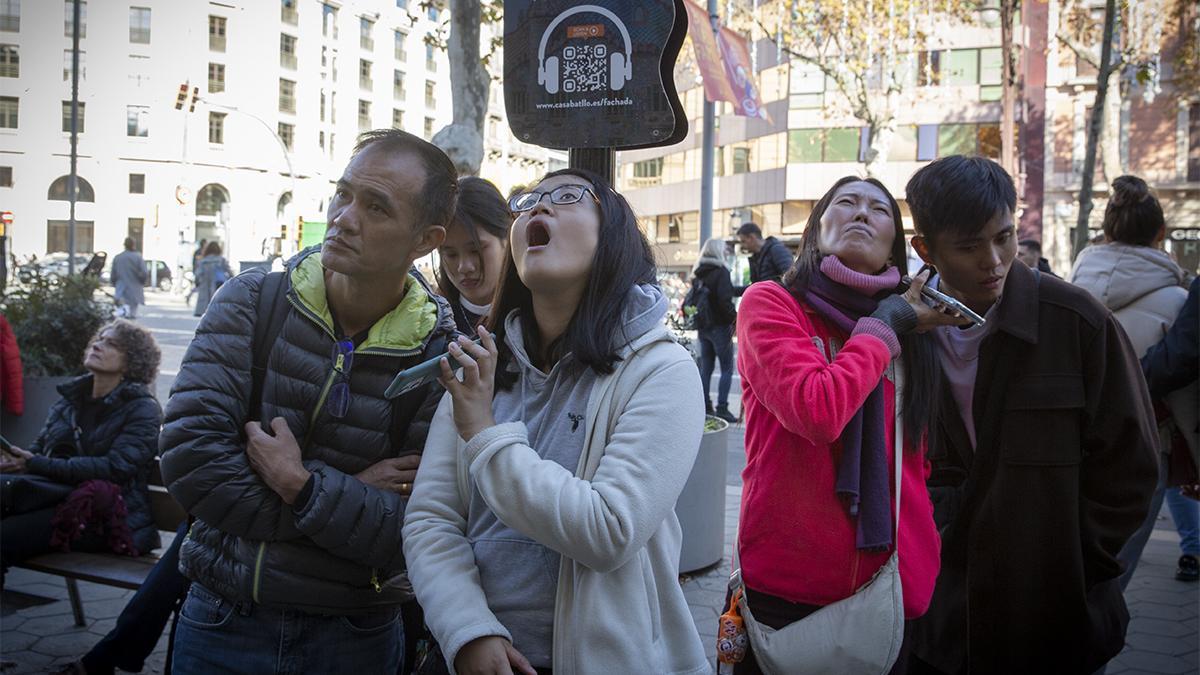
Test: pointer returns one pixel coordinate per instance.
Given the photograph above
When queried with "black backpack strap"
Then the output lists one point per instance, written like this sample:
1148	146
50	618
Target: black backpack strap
272	297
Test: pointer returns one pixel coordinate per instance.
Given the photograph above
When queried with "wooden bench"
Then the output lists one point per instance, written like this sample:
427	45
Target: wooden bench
107	568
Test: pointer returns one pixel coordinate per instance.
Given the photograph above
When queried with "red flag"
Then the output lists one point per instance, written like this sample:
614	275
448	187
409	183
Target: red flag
735	51
708	55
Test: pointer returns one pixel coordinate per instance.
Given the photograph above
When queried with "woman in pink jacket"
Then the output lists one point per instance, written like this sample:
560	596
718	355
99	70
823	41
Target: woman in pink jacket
814	356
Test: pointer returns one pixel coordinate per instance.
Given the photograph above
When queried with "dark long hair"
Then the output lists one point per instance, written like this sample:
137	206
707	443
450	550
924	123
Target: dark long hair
622	260
480	207
918	358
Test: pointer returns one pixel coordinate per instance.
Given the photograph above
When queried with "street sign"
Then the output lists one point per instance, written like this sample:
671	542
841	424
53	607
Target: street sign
595	75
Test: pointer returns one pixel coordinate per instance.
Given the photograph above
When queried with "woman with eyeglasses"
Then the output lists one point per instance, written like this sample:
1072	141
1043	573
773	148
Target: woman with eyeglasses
541	535
471	257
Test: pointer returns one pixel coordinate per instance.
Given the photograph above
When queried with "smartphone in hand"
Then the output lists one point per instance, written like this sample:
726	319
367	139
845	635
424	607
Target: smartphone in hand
420	374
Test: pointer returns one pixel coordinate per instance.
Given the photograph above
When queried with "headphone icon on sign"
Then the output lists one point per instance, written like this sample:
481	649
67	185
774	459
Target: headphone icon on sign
620	64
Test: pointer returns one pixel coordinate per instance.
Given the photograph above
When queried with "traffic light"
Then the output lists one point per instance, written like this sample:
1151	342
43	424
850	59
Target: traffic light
182	98
195	95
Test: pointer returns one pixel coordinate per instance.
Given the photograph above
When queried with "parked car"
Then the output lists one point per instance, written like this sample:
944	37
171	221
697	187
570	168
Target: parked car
164	275
52	264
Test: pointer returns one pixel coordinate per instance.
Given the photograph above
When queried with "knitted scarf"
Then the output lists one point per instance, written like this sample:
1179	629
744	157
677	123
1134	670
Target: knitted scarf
844	296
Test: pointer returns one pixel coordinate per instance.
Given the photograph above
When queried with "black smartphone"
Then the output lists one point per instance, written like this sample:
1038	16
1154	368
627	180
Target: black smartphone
420	374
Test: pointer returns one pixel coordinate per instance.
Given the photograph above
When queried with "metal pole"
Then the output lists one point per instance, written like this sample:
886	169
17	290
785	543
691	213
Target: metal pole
708	151
73	179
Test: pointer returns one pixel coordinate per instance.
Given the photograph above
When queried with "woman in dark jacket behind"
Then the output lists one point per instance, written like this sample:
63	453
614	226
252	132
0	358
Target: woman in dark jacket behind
104	428
716	338
211	272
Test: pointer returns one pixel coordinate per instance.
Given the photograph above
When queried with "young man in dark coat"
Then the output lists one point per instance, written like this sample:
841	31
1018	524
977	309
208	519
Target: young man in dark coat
1042	452
296	553
769	258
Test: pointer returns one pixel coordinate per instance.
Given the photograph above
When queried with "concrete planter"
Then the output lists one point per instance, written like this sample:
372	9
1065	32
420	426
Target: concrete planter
701	505
40	394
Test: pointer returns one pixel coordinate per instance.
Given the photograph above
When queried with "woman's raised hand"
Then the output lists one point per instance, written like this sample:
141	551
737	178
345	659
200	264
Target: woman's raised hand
928	317
474	392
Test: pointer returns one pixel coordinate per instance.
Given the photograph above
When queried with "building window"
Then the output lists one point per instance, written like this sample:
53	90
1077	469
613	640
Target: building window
430	98
321	139
216	78
69	22
397	84
808	146
1193	156
364	74
650	168
56	235
66	117
322	105
10	61
288	13
287	96
430	59
60	190
432	12
10	15
287	133
365	28
287	51
137	183
137	120
741	160
216	33
400	52
961	67
139	25
8	112
364	115
402	4
67	65
428	128
329	21
216	127
135	230
397	119
6	179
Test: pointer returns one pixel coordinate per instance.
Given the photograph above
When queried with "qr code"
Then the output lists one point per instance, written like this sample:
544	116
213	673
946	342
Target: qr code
585	68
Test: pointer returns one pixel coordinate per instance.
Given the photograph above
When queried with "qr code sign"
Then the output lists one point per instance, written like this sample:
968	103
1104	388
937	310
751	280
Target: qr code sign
585	68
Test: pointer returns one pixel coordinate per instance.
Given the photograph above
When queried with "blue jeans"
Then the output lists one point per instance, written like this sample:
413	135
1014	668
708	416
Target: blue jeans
1186	514
218	636
716	343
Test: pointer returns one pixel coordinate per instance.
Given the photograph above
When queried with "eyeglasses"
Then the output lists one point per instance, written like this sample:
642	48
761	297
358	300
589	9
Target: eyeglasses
339	395
560	196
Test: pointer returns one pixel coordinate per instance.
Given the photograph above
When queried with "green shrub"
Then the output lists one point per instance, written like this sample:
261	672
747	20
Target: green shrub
54	318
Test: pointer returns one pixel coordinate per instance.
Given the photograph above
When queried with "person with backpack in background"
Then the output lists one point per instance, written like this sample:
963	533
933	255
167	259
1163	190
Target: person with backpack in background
212	272
769	258
709	306
299	493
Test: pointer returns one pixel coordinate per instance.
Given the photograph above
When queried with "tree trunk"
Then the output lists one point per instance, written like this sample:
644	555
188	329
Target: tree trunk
1110	135
1080	240
462	141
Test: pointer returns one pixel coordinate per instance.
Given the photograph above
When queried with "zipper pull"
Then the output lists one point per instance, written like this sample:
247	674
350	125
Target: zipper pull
375	580
340	364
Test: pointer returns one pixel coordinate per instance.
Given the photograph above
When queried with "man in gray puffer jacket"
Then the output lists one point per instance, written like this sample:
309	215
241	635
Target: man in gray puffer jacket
296	551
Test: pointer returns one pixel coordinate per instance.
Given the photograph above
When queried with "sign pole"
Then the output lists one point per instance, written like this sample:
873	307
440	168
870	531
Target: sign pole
708	152
597	160
73	180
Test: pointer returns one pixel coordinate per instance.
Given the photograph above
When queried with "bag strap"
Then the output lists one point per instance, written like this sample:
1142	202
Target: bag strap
267	326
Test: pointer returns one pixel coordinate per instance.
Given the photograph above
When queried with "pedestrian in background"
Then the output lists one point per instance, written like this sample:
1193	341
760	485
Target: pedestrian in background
472	257
1132	276
129	279
769	258
711	272
1029	251
818	356
211	272
542	533
1042	450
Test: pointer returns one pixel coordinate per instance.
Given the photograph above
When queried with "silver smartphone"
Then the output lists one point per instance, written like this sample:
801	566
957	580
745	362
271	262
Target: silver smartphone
943	299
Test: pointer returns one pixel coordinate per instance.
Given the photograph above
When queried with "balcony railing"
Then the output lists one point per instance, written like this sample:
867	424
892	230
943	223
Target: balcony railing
287	103
287	61
216	43
398	91
290	16
366	82
368	44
